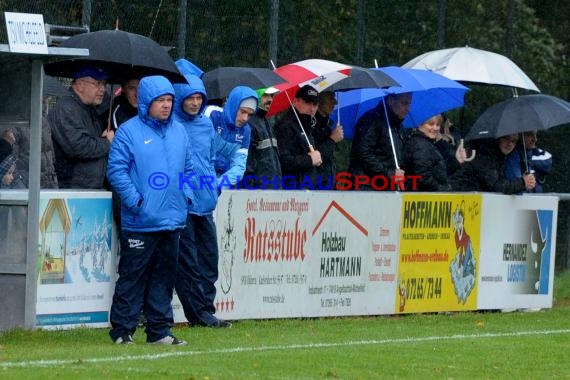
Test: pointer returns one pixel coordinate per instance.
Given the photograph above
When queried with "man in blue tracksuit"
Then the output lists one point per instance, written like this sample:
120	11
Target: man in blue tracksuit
198	258
149	163
231	125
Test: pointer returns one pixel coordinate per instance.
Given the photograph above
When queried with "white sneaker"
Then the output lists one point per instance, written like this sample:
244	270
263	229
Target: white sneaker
125	339
170	340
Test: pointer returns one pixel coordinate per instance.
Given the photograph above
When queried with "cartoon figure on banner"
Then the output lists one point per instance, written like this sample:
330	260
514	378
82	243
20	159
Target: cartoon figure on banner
228	248
463	266
538	254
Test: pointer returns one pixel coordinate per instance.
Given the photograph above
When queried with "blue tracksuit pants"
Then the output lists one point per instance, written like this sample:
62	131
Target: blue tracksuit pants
198	269
147	272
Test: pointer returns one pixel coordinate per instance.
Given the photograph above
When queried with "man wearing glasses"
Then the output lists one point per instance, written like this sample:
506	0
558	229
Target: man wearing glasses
81	144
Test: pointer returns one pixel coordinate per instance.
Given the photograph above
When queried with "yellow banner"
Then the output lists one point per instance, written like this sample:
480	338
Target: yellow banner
439	253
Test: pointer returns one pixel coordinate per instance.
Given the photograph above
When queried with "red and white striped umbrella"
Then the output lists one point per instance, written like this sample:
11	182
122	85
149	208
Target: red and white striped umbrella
319	73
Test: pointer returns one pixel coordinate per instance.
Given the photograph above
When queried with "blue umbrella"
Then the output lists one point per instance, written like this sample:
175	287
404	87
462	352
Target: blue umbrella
431	94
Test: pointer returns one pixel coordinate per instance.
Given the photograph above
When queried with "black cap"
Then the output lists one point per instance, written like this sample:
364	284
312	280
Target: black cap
308	94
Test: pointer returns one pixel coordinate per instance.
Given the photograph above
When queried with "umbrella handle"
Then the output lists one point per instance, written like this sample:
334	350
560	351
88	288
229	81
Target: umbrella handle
473	152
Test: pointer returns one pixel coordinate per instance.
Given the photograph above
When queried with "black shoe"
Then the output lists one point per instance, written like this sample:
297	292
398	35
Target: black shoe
214	323
218	324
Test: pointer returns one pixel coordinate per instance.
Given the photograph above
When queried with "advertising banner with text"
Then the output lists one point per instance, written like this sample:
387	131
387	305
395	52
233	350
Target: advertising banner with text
439	252
295	253
517	255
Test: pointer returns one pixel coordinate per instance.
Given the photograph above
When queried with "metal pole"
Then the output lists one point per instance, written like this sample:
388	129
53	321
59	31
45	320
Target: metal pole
361	32
36	79
182	25
441	15
273	30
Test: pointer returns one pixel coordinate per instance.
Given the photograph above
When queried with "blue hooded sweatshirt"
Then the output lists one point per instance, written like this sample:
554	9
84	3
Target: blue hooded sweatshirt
201	136
231	170
148	163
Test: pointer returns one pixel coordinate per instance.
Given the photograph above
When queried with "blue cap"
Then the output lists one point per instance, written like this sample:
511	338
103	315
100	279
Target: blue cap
93	72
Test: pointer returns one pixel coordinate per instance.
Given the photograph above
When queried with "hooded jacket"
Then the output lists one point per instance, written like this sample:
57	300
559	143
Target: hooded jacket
201	136
231	170
148	163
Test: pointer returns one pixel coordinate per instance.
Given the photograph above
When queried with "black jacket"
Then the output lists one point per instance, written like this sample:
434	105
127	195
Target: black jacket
324	144
80	151
421	157
263	155
371	152
122	111
296	164
486	173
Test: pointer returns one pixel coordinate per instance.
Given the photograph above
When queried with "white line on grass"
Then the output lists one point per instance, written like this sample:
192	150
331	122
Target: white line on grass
51	363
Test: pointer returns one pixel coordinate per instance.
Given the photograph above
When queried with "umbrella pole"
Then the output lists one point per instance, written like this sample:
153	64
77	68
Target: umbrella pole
524	152
111	98
390	134
337	109
311	149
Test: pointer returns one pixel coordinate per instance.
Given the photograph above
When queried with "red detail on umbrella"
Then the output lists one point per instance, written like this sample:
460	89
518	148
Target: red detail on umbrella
319	73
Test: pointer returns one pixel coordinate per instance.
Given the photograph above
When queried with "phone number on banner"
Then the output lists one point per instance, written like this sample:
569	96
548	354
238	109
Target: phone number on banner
423	288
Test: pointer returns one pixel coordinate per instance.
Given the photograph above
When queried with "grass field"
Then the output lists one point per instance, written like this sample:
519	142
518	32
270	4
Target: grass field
442	346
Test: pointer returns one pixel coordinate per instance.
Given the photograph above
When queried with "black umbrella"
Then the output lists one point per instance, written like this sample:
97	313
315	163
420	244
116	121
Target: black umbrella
520	114
361	77
123	55
219	82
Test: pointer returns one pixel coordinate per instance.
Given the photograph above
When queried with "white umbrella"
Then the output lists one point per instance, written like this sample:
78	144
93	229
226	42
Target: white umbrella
467	64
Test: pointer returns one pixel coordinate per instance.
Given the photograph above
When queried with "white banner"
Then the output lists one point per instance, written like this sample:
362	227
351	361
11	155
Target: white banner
295	254
518	238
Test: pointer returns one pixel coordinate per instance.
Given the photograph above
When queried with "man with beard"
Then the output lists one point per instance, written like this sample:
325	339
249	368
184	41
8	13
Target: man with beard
297	155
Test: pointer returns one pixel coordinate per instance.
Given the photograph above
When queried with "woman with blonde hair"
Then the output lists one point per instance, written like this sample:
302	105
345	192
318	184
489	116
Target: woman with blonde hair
422	157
